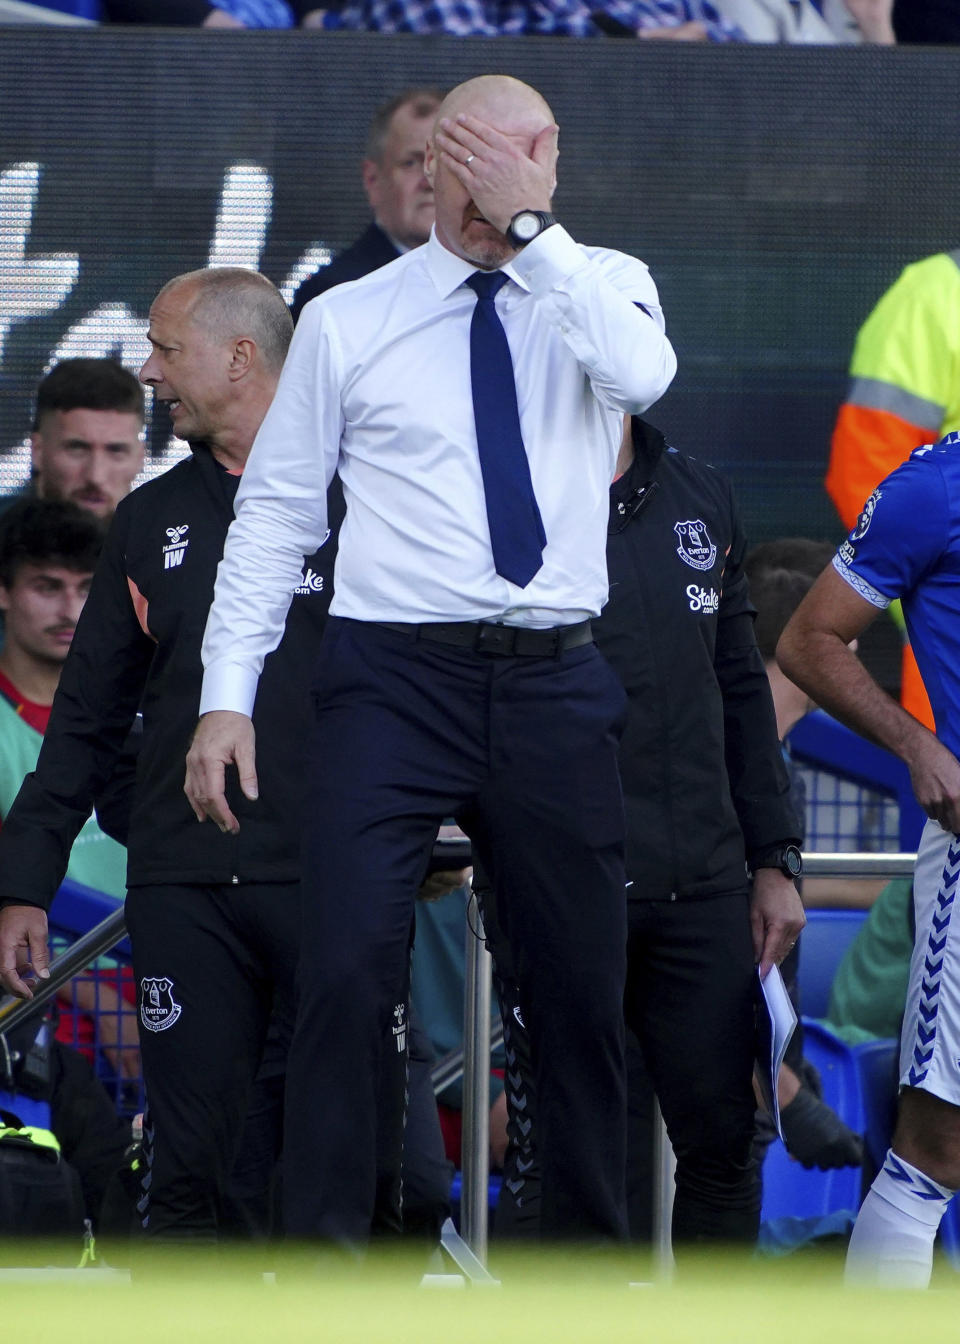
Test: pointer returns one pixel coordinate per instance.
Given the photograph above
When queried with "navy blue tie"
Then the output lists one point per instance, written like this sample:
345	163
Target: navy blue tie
516	528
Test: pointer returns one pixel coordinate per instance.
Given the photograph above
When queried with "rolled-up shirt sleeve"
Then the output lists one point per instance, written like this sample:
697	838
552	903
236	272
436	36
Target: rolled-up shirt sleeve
607	310
281	515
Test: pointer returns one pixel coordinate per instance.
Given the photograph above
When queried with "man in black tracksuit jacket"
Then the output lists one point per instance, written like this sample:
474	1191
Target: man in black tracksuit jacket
706	793
213	917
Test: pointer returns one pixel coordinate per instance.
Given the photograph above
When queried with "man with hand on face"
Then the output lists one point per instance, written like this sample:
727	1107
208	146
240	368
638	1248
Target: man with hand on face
458	675
87	443
400	196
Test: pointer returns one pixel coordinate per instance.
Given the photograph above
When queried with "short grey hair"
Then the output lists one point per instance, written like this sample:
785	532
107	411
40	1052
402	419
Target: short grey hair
422	101
232	301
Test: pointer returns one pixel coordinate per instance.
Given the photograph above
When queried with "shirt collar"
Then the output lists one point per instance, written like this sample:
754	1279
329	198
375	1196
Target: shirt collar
448	271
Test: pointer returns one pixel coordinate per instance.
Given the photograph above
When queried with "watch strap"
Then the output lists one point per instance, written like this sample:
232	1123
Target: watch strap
546	220
775	856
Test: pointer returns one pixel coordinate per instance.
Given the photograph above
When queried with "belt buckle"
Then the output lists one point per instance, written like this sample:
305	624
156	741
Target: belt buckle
497	639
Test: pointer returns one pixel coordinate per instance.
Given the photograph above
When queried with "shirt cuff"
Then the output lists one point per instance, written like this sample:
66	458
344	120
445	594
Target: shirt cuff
228	686
550	259
860	585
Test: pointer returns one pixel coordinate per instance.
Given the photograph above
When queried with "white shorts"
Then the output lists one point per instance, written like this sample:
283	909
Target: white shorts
930	1040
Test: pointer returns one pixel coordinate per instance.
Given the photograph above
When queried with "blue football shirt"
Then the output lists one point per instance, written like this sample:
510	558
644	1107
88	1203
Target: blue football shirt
906	544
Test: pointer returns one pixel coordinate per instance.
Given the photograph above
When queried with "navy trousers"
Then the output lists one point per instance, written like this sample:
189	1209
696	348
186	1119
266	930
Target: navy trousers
522	750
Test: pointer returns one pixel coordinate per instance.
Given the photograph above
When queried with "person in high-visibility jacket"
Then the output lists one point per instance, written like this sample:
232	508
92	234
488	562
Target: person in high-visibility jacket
904	391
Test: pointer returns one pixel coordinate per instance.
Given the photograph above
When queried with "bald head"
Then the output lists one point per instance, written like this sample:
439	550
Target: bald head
219	338
500	100
493	154
230	303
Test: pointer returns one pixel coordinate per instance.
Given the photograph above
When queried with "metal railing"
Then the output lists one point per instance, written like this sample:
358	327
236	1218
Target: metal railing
823	864
78	956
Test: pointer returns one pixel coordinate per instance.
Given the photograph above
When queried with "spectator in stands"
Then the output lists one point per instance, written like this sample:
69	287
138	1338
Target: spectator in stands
87	438
780	574
903	392
216	13
680	20
905	546
870	984
48	552
400	196
812	21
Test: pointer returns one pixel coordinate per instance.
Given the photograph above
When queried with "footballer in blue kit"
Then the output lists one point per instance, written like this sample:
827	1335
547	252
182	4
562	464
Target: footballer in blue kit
906	545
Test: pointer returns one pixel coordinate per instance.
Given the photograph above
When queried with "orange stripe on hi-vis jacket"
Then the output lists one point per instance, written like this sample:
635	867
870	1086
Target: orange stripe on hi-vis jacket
866	446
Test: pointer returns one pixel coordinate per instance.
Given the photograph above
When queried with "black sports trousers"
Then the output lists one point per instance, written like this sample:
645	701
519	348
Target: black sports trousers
690	1012
207	961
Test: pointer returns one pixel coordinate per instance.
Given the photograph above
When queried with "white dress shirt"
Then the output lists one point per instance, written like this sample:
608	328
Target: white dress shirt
377	385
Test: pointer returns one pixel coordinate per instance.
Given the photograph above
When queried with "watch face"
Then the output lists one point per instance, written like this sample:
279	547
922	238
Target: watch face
526	226
792	860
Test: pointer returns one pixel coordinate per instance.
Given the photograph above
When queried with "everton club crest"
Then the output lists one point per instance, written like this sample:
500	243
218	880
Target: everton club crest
158	1008
695	547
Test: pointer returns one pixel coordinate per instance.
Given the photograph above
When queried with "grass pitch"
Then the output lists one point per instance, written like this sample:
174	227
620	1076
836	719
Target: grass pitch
181	1298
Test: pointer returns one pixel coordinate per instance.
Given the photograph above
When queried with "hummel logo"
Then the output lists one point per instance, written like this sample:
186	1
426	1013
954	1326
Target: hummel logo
173	554
400	1027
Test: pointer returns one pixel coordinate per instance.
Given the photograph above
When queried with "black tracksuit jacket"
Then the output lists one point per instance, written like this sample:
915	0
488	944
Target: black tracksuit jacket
137	646
703	776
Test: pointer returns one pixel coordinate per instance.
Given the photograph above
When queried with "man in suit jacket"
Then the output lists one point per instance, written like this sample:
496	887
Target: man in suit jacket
400	196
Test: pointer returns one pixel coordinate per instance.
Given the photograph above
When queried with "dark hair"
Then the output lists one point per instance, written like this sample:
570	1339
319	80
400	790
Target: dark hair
423	101
48	531
780	574
90	384
800	553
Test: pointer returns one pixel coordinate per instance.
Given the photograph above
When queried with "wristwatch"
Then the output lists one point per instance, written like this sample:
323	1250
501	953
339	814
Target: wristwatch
527	225
785	857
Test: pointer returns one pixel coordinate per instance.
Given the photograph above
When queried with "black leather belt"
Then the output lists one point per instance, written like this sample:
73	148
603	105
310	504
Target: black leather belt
504	641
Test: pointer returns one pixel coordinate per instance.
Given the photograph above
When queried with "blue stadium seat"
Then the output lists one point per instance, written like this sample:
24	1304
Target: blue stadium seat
790	1190
823	942
456	1191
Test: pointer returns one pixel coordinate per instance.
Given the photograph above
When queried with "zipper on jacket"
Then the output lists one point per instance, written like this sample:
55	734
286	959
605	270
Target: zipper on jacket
628	509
